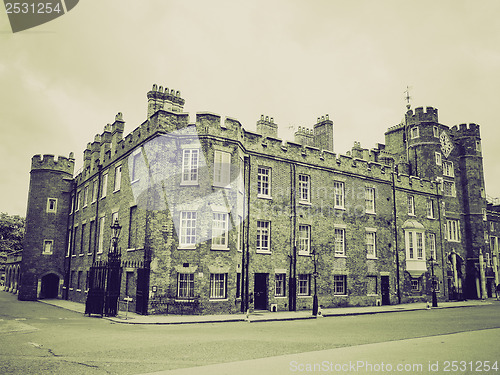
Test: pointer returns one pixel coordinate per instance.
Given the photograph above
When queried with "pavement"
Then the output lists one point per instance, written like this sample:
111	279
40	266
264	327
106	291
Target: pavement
262	316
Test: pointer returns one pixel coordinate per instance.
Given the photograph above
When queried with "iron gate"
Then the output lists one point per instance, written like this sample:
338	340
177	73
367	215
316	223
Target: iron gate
104	286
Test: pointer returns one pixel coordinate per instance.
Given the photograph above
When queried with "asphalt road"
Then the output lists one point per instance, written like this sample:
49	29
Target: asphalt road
36	338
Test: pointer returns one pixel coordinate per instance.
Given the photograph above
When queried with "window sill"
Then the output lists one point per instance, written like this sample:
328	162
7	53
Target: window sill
370	212
304	254
81	254
216	248
135	249
263	252
372	258
265	197
218	300
221	186
339	208
116	191
73	255
70	288
372	295
305	203
280	297
186	183
303	296
340	256
89	254
340	295
78	290
135	181
46	253
186	248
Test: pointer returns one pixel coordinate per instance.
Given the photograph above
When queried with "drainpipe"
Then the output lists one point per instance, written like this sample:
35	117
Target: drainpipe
96	222
443	264
293	258
396	250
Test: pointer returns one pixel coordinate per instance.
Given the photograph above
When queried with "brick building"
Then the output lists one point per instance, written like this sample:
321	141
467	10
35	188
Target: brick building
217	219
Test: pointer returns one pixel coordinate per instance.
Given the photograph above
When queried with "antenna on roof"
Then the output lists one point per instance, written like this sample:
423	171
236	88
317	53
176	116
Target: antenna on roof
408	97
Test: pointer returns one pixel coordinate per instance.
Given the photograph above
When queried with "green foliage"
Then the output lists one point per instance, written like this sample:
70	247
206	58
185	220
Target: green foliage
11	232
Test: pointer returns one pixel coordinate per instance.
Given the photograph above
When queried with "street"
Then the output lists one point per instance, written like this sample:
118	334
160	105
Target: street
40	339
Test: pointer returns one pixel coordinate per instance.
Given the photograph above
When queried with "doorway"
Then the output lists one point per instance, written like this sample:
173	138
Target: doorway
50	286
385	290
260	291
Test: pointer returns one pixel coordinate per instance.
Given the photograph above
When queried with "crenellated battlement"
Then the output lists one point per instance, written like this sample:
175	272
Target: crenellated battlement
430	115
55	163
465	130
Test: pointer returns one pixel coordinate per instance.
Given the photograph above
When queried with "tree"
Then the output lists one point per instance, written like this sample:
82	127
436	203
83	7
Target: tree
11	232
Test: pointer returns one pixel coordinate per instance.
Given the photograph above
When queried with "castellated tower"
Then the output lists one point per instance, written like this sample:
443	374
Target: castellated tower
467	140
323	133
45	241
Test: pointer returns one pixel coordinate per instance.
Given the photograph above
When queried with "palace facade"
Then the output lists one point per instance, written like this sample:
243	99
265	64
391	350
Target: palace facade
218	219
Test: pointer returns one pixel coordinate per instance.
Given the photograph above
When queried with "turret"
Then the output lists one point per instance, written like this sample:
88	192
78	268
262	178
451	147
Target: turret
44	244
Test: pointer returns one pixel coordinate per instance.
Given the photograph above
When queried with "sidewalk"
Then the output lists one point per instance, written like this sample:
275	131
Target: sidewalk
261	316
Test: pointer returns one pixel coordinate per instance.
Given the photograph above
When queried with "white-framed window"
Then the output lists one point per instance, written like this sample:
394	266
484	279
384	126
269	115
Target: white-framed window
51	205
435	131
485	217
492	226
411	205
239	242
70	238
415	285
339	242
338	188
414	132
190	158
370	200
494	244
185	285
85	195
104	185
78	199
222	168
304	285
187	236
82	239
136	160
371	251
95	192
430	208
100	239
279	285
415	245
48	247
453	230
118	178
218	285
304	188
448	169
133	226
219	230
487	259
241	177
431	242
449	188
371	285
340	285
263	236
264	182
439	158
304	239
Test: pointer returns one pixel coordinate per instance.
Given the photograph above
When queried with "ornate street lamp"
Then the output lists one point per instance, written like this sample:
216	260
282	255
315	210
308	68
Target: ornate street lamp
115	233
433	283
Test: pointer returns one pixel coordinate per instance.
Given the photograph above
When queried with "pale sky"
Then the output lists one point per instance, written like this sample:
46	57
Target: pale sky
62	82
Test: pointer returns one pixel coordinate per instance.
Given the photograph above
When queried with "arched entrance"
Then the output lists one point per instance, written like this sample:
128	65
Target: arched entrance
50	286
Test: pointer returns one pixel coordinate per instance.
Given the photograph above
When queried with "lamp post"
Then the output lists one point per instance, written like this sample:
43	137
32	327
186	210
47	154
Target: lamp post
433	283
315	275
115	233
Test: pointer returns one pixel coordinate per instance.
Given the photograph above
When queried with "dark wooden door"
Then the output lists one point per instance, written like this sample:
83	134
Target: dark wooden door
260	291
142	293
385	290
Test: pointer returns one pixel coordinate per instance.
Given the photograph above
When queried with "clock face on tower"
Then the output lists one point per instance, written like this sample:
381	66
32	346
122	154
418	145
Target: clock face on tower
446	144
